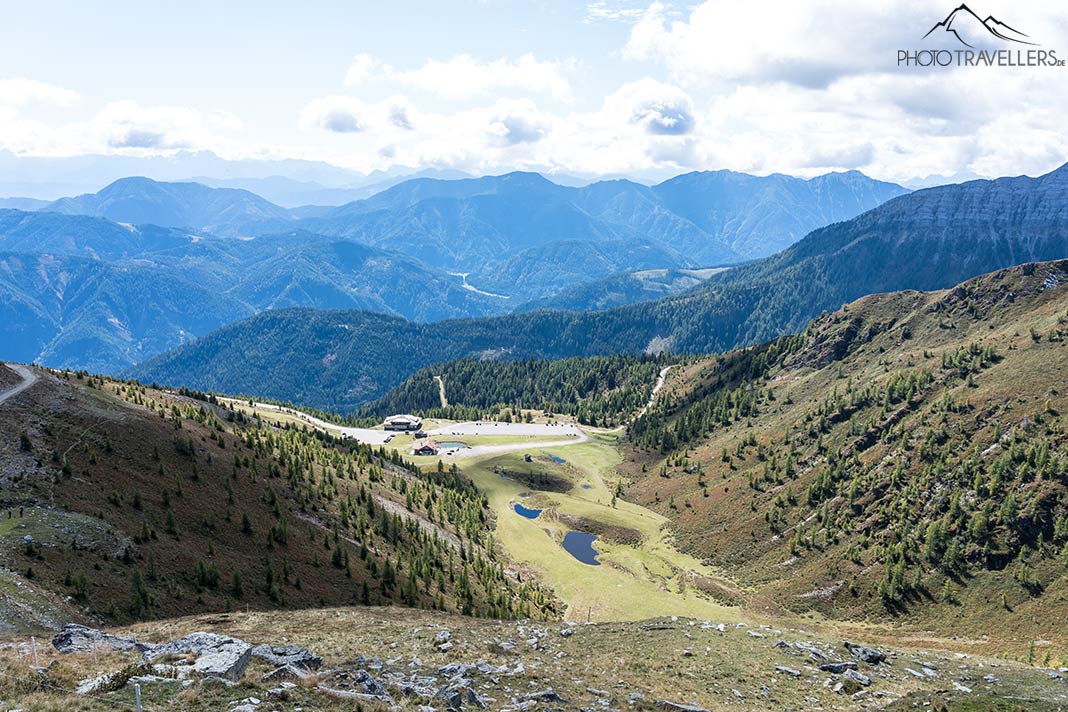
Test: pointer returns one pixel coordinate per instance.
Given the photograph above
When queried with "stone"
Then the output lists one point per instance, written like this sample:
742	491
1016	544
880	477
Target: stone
567	632
288	655
445	647
788	671
857	677
546	695
80	639
475	700
867	655
216	655
838	668
286	672
442	636
679	706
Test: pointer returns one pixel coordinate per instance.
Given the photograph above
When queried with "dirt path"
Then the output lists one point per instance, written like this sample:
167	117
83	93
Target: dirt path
441	391
656	389
28	379
363	435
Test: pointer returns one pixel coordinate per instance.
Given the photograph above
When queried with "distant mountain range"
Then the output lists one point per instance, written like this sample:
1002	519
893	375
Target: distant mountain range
930	239
424	249
85	292
513	233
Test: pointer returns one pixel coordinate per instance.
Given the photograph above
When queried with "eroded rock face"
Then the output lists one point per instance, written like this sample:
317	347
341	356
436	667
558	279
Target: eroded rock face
216	655
81	639
282	655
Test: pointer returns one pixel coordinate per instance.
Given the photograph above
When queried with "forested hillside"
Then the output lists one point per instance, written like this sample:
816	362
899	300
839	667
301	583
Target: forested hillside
599	390
137	503
902	456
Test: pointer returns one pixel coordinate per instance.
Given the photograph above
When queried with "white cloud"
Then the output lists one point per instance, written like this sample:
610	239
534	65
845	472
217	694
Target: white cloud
336	113
466	77
22	92
121	127
613	11
657	107
362	68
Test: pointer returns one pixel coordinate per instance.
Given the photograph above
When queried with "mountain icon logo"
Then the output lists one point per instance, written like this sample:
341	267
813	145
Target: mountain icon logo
969	29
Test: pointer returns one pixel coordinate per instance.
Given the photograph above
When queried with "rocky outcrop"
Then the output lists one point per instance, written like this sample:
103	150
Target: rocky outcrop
80	639
282	655
215	655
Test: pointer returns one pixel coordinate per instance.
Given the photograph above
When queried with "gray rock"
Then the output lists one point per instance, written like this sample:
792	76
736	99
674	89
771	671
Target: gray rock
216	655
442	636
353	695
812	650
546	695
475	700
445	647
868	655
679	706
857	677
838	668
787	670
454	669
286	672
288	655
80	639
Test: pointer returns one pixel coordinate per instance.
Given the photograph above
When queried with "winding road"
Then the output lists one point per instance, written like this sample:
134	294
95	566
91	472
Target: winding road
28	379
363	435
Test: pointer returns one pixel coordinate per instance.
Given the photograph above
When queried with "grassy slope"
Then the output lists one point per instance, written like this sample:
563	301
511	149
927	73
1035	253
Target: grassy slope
105	469
835	570
727	670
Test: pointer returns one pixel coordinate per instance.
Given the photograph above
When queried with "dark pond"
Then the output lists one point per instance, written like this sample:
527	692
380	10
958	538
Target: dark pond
554	458
587	486
580	545
524	512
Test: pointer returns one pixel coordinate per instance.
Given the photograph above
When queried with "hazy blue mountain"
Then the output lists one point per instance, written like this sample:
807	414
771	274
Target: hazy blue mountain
51	178
623	288
513	232
711	218
930	239
140	201
52	258
22	203
759	216
83	313
559	266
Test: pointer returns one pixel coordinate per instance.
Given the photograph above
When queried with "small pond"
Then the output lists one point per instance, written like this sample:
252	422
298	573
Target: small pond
554	458
525	512
587	486
580	545
451	445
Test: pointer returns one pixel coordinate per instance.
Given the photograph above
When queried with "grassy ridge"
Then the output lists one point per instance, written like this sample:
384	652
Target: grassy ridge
902	457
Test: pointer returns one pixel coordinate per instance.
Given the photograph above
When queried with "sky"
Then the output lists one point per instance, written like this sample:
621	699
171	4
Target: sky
611	87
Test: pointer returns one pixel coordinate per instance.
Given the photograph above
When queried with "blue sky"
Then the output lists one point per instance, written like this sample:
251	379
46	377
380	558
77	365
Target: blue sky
587	88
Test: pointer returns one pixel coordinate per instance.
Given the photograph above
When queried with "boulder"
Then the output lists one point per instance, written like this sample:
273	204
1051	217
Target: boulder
679	706
857	677
546	695
280	655
286	672
215	655
788	671
838	668
80	639
868	655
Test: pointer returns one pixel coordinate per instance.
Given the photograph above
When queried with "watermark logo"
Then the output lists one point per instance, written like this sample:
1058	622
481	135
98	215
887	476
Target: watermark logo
964	39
